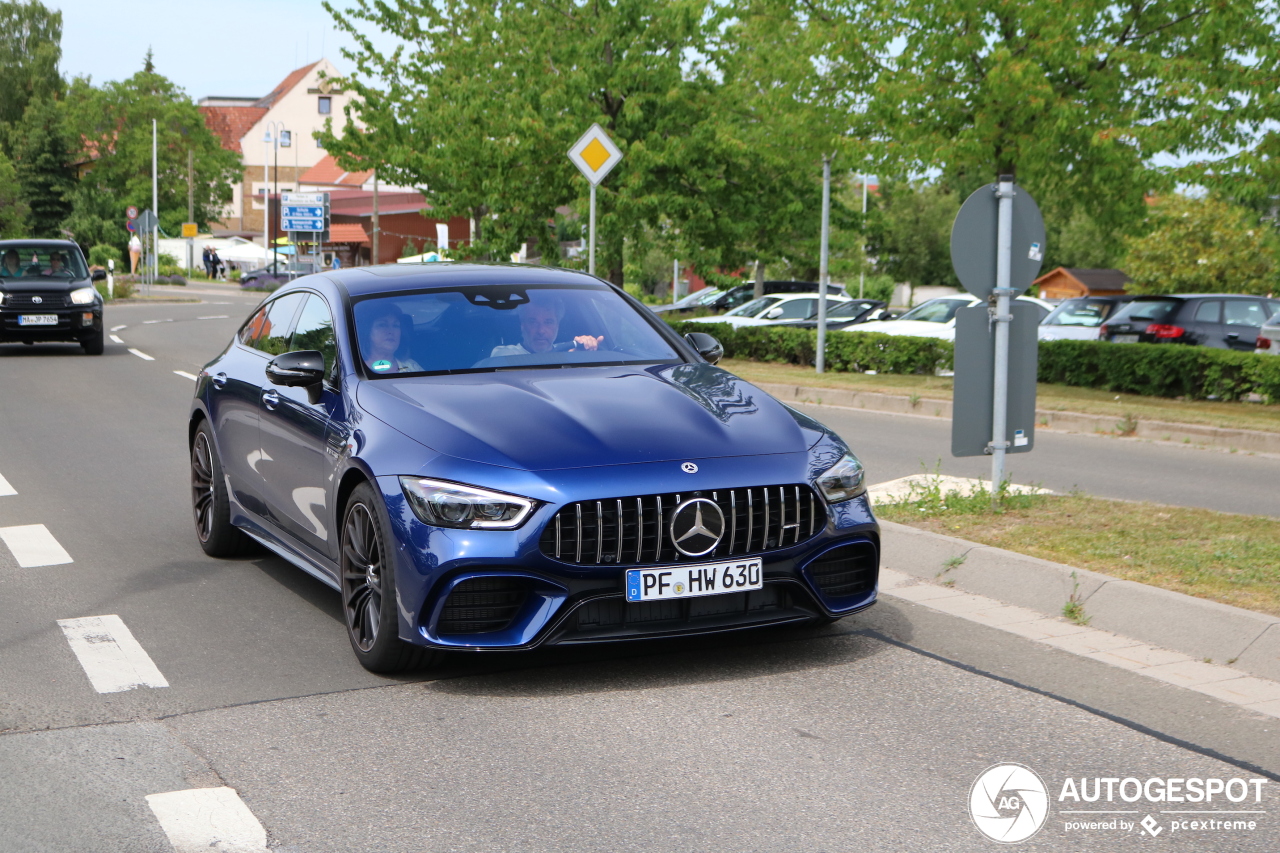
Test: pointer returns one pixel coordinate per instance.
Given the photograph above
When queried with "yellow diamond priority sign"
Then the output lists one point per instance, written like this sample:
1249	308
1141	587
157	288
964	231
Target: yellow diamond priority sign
594	154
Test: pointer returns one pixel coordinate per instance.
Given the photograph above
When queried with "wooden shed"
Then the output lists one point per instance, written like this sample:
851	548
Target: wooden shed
1066	282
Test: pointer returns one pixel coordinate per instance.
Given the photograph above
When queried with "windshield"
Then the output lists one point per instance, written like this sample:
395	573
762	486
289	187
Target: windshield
1080	312
1148	310
490	327
935	311
754	307
41	263
845	309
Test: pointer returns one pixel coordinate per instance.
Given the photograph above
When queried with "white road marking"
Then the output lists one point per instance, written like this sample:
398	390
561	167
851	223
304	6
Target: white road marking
111	657
5	488
185	374
118	328
33	545
141	355
208	819
116	338
150	322
219	303
215	317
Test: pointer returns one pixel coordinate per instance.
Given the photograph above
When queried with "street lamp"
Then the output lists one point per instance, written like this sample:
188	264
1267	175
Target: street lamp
272	142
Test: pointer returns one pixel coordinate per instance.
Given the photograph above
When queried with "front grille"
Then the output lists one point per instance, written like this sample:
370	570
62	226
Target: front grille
847	570
633	530
482	605
26	300
616	613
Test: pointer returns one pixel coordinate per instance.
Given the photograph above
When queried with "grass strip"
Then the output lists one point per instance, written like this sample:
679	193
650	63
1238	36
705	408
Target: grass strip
1232	559
1058	398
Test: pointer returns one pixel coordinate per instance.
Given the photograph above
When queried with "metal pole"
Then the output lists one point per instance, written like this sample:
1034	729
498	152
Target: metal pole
191	208
824	277
155	206
862	275
275	191
374	259
675	281
591	251
1001	317
266	196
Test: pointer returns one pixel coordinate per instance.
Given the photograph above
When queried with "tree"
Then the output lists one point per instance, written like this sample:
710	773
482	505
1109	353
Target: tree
41	155
1073	99
13	211
30	49
112	123
1203	246
483	101
909	232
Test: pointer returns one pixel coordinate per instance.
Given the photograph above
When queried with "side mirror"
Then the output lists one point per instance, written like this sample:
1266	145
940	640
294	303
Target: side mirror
707	346
98	275
773	314
296	369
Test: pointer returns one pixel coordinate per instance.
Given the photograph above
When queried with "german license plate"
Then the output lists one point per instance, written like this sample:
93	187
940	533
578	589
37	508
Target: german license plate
37	319
1125	339
666	582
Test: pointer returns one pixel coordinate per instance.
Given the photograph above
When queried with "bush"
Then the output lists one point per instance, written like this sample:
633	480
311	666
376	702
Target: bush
101	253
234	275
1161	370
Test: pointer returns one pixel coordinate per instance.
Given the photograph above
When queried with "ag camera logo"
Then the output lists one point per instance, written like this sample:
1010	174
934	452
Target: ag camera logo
1009	803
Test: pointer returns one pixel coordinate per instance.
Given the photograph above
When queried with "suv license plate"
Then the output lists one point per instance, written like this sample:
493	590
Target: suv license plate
1124	339
666	582
37	319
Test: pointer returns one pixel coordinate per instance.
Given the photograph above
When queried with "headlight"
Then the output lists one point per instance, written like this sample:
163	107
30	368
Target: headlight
842	480
450	505
83	296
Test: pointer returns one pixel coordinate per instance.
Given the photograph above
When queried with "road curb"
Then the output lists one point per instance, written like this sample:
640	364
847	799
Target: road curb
1076	422
1203	629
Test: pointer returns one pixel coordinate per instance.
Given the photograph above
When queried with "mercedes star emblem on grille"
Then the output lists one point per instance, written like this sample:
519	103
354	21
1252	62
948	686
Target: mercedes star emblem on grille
696	527
689	468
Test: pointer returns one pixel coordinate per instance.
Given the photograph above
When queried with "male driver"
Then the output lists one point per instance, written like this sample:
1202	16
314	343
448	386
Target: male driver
539	326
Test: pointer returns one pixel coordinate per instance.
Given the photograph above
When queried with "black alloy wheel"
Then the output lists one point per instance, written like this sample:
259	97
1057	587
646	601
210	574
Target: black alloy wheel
210	506
369	591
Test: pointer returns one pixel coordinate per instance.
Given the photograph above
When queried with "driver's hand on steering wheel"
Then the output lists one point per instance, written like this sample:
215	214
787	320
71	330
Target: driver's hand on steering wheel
586	342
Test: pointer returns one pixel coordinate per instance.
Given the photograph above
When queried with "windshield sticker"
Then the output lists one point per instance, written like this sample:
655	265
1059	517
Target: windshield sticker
381	365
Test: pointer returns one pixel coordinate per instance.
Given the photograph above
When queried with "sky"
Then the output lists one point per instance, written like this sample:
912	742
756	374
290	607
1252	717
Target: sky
206	49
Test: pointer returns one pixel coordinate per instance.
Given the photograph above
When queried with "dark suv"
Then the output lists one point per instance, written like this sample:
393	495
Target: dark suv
1221	320
47	294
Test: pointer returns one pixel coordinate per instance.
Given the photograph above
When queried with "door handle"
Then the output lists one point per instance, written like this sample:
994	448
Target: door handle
270	399
219	380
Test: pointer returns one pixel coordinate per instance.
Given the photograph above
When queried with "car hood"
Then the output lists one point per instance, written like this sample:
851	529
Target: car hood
916	328
41	284
589	416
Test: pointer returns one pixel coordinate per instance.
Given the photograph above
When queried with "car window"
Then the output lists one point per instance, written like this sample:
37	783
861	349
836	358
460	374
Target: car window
1080	312
797	309
1243	312
737	296
755	306
496	327
272	336
42	263
314	331
1273	307
935	310
1209	311
709	295
1147	310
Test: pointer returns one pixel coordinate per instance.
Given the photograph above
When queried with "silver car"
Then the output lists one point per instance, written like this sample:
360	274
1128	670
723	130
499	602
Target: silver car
1269	337
1079	318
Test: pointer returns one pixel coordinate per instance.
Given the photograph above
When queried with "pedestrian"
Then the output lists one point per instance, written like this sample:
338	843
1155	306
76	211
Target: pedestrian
135	253
215	264
207	261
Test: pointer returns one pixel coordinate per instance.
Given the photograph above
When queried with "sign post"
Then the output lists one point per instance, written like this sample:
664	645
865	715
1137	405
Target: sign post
997	247
149	225
595	155
305	218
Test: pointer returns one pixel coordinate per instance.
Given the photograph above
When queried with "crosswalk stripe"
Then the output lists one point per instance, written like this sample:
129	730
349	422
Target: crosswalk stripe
33	545
111	657
5	488
203	819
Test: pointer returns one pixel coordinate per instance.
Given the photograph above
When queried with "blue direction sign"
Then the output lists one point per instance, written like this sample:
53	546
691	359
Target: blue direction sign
299	223
303	211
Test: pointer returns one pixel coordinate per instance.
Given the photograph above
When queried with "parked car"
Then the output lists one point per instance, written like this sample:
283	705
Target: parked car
1269	337
1080	318
768	310
743	293
936	318
1220	320
690	302
47	294
482	458
275	274
841	315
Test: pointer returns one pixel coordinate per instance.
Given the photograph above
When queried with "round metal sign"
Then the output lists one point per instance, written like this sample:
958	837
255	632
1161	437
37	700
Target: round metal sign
973	241
131	212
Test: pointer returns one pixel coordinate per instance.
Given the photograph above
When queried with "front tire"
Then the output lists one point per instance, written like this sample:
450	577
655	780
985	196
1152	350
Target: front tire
94	344
369	590
210	504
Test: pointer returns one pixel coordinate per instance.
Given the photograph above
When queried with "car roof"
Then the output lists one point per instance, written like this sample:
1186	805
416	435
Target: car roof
397	278
1151	296
35	243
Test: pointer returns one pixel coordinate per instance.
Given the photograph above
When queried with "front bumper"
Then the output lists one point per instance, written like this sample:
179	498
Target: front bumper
565	604
76	323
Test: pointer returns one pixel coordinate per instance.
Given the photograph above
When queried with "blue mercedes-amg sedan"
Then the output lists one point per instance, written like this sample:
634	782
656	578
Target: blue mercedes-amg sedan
489	457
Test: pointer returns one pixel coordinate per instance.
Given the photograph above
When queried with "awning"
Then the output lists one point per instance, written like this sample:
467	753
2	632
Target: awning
347	232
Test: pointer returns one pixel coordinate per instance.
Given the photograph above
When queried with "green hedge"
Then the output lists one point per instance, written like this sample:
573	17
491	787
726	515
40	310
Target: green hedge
1154	370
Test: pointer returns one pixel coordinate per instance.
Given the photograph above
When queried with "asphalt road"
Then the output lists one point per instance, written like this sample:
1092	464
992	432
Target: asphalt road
865	735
